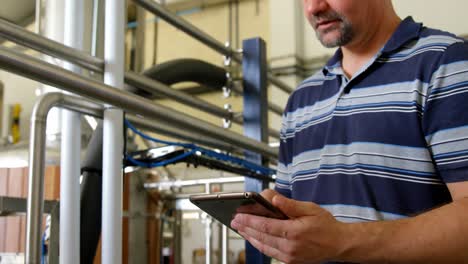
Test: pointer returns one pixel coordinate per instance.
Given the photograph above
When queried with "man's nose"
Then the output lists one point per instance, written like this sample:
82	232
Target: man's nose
314	7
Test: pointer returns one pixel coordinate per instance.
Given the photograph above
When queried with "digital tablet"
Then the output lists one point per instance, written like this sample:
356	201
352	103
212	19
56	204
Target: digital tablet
224	206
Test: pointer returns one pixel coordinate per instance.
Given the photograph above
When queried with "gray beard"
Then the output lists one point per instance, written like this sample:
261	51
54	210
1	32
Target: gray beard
345	36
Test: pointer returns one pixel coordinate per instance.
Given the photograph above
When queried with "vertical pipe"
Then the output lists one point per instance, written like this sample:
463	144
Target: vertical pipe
71	147
35	207
70	188
53	248
94	30
208	239
113	135
224	245
255	118
38	17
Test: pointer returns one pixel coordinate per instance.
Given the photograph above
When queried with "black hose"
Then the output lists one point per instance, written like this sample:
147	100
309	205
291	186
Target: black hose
169	73
184	70
91	198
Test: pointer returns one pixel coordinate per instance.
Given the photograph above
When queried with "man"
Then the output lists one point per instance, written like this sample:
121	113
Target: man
374	150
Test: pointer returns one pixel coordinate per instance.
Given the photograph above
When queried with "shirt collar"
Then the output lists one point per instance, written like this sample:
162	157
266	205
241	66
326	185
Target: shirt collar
406	31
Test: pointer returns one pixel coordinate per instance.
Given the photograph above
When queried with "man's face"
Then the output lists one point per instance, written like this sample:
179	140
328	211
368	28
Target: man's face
338	22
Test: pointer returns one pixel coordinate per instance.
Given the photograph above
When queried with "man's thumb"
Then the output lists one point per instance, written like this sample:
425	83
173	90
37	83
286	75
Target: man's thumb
293	208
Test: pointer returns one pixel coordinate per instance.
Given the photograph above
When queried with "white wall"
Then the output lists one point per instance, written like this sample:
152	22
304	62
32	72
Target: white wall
17	90
449	15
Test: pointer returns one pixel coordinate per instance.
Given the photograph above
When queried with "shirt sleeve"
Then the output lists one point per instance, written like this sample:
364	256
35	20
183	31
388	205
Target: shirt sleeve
445	114
283	174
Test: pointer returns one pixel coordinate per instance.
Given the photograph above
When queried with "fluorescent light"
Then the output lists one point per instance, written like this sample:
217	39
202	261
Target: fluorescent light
274	144
91	121
13	162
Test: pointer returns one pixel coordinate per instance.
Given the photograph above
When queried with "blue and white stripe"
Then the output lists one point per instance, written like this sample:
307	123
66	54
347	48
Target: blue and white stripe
331	154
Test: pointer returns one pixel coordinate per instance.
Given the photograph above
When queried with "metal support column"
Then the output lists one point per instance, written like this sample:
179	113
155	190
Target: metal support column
54	236
35	204
254	67
71	147
112	173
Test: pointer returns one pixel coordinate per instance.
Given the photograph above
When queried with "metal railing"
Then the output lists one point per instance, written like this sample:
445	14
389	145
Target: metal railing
47	46
201	36
47	73
41	71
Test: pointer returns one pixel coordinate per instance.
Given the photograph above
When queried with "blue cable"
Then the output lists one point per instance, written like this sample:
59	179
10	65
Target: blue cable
194	148
161	163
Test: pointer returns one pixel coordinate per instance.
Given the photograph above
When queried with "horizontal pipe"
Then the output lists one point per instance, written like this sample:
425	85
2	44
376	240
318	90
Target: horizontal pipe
47	46
188	183
50	47
201	36
280	84
44	72
275	109
154	86
19	35
170	131
188	28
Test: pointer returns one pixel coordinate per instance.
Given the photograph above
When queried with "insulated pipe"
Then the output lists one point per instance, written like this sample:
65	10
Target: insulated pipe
71	147
91	197
112	162
38	70
35	207
47	46
201	36
188	70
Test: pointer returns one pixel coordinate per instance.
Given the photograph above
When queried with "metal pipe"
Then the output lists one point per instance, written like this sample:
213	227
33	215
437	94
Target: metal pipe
280	84
179	133
70	159
94	34
201	36
208	239
28	39
188	183
224	245
275	109
38	17
188	28
113	146
38	70
153	86
47	46
37	165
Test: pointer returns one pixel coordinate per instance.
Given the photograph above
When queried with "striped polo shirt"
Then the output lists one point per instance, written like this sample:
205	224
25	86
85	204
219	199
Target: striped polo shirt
383	144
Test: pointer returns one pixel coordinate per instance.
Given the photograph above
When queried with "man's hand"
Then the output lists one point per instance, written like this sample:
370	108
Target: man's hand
311	235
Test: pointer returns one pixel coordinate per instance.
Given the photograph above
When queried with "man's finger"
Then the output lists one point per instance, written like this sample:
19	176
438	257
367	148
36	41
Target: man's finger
271	226
293	208
265	249
265	238
268	194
